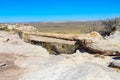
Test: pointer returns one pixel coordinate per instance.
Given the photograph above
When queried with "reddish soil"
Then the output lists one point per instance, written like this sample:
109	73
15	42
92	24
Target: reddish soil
8	70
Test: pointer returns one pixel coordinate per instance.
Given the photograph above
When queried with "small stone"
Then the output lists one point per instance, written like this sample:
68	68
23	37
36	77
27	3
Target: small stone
115	64
2	64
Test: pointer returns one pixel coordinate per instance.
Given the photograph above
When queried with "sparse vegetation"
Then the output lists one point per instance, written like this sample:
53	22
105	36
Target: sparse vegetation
104	27
56	48
111	25
69	27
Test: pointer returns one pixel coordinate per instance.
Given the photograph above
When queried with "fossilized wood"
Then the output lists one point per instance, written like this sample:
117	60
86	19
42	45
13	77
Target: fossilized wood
71	37
86	45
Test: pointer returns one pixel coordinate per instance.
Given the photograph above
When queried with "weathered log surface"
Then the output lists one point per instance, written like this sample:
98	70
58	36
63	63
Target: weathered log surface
115	64
92	43
71	37
51	40
55	44
105	46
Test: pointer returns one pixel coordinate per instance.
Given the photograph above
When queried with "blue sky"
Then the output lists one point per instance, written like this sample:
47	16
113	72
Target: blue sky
57	10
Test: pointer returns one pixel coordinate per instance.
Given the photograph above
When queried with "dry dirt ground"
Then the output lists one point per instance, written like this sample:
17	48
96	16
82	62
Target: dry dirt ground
8	69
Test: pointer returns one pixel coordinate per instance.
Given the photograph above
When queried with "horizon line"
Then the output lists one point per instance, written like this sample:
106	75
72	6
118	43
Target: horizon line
58	21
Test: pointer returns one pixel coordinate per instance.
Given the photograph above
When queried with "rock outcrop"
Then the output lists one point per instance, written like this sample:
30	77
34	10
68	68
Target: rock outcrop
114	36
26	28
92	43
11	43
14	52
97	44
24	61
115	64
86	71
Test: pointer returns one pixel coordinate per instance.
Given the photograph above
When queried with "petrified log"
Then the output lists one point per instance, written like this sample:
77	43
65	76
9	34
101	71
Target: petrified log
57	48
99	45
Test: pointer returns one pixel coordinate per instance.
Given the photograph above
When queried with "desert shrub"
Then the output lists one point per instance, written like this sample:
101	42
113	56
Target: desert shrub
109	26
